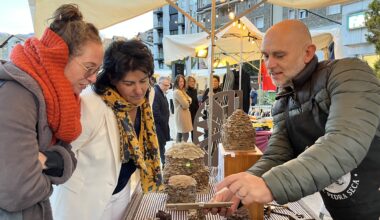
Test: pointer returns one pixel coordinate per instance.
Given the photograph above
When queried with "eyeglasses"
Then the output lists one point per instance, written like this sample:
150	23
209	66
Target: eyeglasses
90	71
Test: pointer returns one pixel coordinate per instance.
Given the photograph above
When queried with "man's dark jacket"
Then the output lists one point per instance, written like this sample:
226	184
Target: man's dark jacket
161	115
194	103
326	138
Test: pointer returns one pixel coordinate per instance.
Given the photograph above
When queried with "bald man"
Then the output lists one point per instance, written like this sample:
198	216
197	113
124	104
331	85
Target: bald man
326	136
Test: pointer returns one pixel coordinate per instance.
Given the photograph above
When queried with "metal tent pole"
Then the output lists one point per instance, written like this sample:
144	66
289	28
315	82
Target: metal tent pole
211	92
241	60
260	93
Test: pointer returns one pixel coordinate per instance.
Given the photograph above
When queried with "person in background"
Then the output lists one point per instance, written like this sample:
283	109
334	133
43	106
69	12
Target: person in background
169	96
182	114
152	93
40	114
215	87
192	92
253	95
326	136
245	86
118	147
152	81
161	114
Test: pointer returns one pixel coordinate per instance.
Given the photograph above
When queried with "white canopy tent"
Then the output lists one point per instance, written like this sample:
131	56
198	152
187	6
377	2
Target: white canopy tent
229	43
232	40
107	13
99	12
322	39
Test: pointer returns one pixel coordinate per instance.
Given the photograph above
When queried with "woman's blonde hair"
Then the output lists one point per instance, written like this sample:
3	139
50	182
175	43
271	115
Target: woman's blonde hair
188	79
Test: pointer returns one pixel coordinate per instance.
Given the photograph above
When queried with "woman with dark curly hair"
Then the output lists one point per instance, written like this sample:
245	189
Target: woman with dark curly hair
40	114
118	146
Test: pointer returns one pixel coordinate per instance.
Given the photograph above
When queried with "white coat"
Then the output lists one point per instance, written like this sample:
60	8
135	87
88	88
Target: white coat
85	195
182	113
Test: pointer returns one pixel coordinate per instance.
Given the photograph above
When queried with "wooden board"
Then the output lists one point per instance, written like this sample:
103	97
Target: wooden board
231	162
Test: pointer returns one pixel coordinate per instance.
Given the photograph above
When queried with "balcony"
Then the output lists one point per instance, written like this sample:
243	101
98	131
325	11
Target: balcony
159	56
158	25
158	11
181	19
158	40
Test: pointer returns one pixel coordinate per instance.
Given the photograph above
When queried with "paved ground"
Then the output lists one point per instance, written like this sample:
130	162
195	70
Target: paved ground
173	131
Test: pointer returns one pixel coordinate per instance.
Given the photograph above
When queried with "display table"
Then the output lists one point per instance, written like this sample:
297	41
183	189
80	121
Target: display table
145	206
262	139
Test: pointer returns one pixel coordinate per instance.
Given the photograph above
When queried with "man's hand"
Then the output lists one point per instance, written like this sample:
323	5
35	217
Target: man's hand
224	195
247	187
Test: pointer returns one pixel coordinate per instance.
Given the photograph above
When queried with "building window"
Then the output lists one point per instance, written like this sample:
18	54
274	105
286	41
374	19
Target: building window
356	20
161	65
291	14
333	9
303	14
257	2
259	22
174	17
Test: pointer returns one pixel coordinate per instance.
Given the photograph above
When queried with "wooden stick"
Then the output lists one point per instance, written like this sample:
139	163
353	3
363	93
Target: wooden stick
198	205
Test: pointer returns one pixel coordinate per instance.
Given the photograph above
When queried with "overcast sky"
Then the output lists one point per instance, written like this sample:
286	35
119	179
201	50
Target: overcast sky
15	18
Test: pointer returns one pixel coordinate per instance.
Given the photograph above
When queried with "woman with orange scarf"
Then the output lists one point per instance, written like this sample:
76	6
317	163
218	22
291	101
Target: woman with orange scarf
118	147
40	113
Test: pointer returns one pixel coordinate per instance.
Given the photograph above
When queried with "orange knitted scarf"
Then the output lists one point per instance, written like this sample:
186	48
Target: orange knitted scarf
45	60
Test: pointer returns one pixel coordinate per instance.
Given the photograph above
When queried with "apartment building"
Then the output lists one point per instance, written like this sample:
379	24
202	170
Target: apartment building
8	41
348	19
168	21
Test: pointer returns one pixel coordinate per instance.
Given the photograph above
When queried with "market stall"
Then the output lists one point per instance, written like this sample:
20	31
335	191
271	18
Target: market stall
106	13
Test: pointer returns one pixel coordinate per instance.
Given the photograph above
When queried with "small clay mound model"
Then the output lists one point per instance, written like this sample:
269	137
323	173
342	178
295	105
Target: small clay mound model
238	132
240	214
196	214
161	215
181	189
187	159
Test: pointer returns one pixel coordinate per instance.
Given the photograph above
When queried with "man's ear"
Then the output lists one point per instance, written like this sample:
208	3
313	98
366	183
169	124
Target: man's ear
309	53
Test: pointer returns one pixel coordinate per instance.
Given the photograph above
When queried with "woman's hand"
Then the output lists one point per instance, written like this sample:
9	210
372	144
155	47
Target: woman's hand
42	158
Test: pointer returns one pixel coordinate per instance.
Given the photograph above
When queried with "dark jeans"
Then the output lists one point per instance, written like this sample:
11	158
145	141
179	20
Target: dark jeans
162	151
182	137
